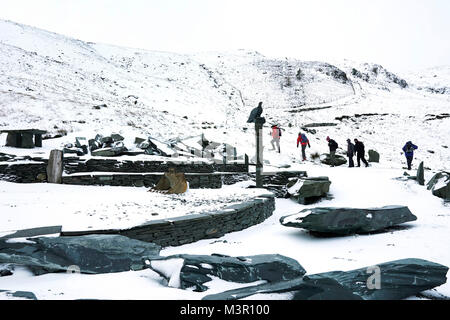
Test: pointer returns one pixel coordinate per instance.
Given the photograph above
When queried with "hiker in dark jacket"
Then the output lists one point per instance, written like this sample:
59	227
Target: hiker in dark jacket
303	140
408	149
359	149
333	147
350	153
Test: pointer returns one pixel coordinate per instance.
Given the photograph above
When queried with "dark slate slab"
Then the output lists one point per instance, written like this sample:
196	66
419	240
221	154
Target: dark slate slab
199	269
338	160
344	221
32	232
20	294
398	279
439	185
90	253
420	174
300	288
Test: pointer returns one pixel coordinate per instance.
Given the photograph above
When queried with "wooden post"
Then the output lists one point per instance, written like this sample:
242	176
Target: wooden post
259	151
55	167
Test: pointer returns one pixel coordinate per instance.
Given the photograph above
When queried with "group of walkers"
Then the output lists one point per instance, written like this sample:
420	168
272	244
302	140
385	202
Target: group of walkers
357	149
353	149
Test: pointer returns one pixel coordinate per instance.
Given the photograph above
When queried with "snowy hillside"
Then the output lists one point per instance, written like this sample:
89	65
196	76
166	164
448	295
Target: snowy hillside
56	83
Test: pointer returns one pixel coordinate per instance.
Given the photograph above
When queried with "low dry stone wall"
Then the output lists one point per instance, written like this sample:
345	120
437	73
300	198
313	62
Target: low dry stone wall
24	172
191	228
112	165
196	180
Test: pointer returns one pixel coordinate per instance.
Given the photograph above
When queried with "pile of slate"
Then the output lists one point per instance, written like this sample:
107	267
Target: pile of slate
149	147
105	146
309	189
346	221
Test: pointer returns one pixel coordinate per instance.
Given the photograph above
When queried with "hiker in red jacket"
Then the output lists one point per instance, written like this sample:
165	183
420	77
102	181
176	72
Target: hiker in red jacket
276	134
303	140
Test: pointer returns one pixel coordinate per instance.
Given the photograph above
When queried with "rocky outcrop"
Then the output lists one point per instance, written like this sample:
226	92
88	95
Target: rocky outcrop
393	280
439	185
196	270
309	190
86	254
345	221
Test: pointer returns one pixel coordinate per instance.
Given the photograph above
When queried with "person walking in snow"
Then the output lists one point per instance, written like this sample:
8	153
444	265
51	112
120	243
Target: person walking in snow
303	140
359	149
408	149
333	147
276	134
350	153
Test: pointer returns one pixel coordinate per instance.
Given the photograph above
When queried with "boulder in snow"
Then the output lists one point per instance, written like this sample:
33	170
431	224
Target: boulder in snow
308	190
338	160
89	254
439	185
373	156
196	270
344	221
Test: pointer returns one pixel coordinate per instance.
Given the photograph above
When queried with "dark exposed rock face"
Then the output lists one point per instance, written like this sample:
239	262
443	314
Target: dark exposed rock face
393	280
439	185
373	156
398	279
310	189
91	254
198	269
344	221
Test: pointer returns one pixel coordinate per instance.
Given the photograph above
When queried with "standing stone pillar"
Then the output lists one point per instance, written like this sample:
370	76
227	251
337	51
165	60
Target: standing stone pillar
420	174
55	167
38	140
259	151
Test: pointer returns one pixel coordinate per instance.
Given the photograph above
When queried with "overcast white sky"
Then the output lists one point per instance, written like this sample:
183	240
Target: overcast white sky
399	34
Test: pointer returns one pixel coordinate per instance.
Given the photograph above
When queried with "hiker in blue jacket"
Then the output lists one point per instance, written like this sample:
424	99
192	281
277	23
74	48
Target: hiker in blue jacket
408	149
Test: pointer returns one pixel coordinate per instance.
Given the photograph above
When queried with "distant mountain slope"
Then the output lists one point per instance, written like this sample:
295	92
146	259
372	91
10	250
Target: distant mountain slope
60	84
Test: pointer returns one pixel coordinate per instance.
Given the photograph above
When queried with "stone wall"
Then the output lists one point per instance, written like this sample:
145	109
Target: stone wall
112	165
191	228
196	180
24	172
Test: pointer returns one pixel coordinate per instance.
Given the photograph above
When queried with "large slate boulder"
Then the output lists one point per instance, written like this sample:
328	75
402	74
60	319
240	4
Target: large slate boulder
373	156
398	279
299	288
20	294
439	185
338	160
344	221
91	253
308	190
195	270
393	280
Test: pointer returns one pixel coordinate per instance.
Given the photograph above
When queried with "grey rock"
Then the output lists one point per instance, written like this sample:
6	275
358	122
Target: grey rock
300	288
91	253
80	142
344	221
103	152
6	270
117	137
20	294
309	188
420	174
373	156
338	160
198	269
398	279
439	185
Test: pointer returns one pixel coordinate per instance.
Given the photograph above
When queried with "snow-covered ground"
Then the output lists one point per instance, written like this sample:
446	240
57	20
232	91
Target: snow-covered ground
51	82
426	238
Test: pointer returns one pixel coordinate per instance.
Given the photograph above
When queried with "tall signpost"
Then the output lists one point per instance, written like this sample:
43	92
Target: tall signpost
259	150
